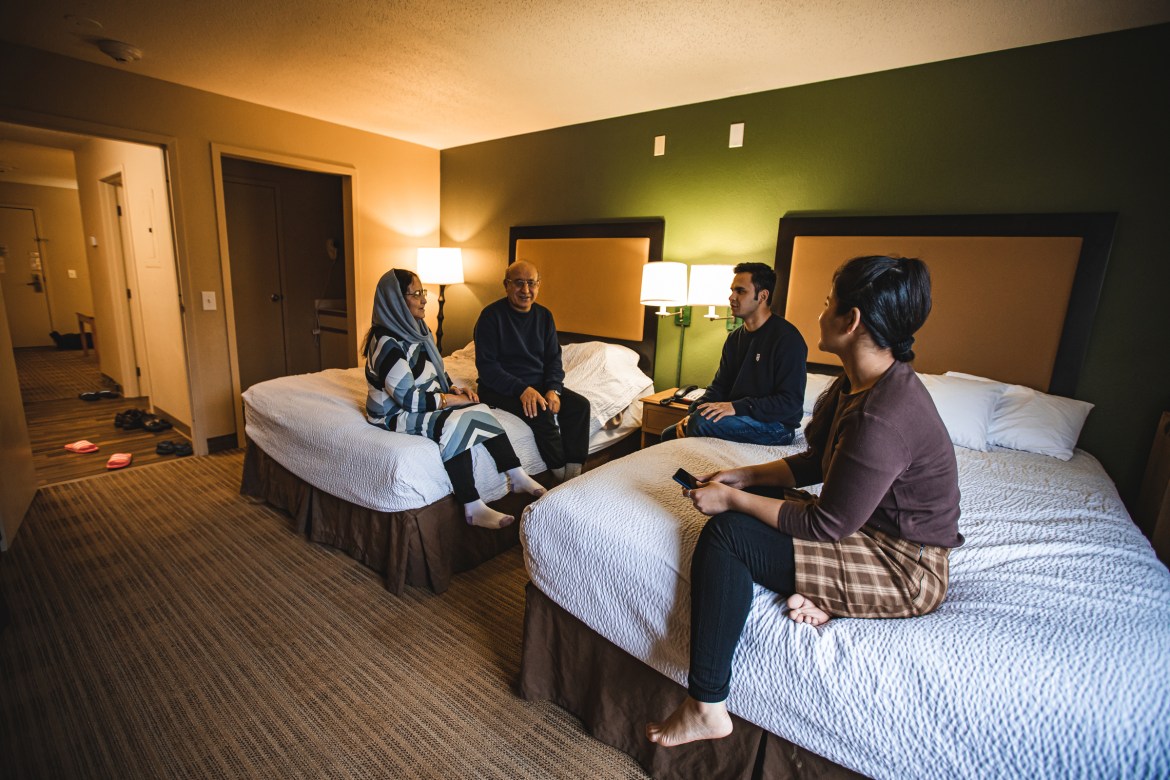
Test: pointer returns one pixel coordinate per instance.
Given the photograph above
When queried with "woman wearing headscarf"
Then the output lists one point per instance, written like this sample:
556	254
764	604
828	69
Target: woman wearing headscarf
410	392
875	542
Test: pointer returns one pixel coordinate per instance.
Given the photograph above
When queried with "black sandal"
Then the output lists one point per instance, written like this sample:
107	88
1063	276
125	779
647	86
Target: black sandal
183	448
165	447
129	419
156	424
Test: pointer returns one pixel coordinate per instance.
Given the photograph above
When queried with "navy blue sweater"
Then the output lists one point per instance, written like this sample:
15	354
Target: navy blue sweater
762	372
516	350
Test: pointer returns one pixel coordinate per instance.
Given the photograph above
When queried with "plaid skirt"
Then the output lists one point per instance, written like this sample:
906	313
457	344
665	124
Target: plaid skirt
871	574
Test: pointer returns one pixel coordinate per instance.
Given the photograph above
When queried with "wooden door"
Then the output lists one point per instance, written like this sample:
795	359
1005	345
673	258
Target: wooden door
18	478
22	272
254	246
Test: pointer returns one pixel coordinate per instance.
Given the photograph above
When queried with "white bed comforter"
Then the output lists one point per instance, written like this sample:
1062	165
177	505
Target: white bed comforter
315	426
1049	658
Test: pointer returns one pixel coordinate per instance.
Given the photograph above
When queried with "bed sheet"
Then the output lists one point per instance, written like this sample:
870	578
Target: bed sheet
1047	659
314	425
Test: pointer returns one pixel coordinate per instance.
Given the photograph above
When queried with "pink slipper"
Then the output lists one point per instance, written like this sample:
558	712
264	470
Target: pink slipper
119	460
82	446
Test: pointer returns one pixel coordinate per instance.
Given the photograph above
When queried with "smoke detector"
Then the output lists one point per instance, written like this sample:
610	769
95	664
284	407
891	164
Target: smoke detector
119	50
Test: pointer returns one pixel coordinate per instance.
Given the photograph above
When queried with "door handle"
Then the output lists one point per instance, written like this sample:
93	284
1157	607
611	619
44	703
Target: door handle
35	283
275	297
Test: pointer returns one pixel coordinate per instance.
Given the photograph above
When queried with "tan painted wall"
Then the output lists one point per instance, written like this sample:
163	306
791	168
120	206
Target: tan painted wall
151	254
59	220
396	183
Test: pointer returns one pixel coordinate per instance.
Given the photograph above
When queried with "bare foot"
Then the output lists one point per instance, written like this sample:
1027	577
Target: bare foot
802	610
692	721
522	483
480	514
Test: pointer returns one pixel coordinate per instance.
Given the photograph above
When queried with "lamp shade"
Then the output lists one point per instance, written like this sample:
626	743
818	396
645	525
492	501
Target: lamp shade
440	265
664	284
710	285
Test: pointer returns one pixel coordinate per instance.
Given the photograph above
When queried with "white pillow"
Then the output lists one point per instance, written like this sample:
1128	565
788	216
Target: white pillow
814	385
466	352
966	407
606	374
1028	420
612	354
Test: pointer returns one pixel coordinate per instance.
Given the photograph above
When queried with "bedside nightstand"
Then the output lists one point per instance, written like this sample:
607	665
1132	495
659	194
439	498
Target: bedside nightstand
656	417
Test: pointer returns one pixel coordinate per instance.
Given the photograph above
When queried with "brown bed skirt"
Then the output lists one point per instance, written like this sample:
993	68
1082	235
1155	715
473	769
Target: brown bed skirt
615	695
420	547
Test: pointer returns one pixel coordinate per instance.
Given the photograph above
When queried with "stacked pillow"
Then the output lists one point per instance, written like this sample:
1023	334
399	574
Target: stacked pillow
980	413
814	385
966	406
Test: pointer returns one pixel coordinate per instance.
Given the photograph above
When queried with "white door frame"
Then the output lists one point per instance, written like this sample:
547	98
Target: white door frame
124	270
127	327
349	207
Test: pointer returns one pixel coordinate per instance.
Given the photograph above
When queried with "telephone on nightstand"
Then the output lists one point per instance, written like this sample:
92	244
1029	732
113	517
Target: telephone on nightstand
684	395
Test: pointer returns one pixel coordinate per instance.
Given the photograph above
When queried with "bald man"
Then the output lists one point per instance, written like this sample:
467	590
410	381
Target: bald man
519	362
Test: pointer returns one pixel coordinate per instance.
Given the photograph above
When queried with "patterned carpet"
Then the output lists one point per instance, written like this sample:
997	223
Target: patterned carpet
152	636
47	374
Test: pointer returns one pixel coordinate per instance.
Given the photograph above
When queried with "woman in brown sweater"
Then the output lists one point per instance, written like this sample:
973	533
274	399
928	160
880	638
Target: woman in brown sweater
875	542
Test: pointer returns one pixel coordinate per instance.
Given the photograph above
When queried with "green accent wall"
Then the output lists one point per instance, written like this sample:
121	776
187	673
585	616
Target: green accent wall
1080	125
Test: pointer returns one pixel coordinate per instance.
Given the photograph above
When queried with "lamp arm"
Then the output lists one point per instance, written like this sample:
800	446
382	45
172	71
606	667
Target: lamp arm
439	329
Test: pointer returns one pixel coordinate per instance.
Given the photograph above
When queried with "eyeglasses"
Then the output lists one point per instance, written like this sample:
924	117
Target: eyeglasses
519	284
420	294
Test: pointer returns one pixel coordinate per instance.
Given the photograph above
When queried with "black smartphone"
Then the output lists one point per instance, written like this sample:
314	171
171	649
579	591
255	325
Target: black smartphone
684	478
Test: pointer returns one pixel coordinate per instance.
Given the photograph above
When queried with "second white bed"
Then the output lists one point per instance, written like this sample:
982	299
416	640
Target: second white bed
1048	658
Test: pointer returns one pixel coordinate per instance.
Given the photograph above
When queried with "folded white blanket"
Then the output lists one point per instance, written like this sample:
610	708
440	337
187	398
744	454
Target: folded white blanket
1048	658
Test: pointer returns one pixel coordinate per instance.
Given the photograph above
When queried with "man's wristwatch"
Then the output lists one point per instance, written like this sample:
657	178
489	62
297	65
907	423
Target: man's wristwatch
558	392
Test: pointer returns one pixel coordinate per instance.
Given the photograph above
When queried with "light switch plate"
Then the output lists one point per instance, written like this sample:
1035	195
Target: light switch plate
735	139
659	145
208	300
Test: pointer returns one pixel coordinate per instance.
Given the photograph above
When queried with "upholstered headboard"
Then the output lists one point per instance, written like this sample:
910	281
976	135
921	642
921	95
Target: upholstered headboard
591	274
1014	295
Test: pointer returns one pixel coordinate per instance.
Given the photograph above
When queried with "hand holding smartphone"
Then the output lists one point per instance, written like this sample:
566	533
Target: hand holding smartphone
686	479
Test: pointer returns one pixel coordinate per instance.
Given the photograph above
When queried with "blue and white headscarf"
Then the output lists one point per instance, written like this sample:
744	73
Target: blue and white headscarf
391	313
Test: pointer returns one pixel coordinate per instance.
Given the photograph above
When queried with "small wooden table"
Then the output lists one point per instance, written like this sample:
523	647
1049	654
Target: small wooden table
82	321
656	417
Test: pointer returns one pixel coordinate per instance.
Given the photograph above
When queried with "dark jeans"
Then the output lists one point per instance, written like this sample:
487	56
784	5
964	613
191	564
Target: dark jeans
738	427
561	438
462	473
734	550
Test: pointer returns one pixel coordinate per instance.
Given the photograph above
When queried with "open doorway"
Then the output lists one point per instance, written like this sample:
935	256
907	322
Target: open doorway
103	237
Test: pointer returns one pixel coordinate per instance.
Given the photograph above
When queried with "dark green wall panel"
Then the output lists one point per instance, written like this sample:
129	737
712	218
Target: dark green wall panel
1077	125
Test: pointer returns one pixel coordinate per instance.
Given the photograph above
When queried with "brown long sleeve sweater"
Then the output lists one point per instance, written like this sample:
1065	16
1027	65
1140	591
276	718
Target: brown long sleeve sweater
885	458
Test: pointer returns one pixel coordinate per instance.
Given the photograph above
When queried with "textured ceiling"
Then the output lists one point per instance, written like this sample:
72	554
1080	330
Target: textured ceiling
449	72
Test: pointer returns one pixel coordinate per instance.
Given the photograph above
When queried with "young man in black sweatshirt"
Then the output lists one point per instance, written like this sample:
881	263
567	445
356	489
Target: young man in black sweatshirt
757	395
519	362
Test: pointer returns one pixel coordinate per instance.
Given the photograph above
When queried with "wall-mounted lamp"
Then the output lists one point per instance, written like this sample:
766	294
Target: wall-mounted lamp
710	285
665	284
441	266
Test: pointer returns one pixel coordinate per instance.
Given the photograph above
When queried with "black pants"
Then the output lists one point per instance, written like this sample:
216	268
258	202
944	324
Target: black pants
734	550
567	442
462	474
